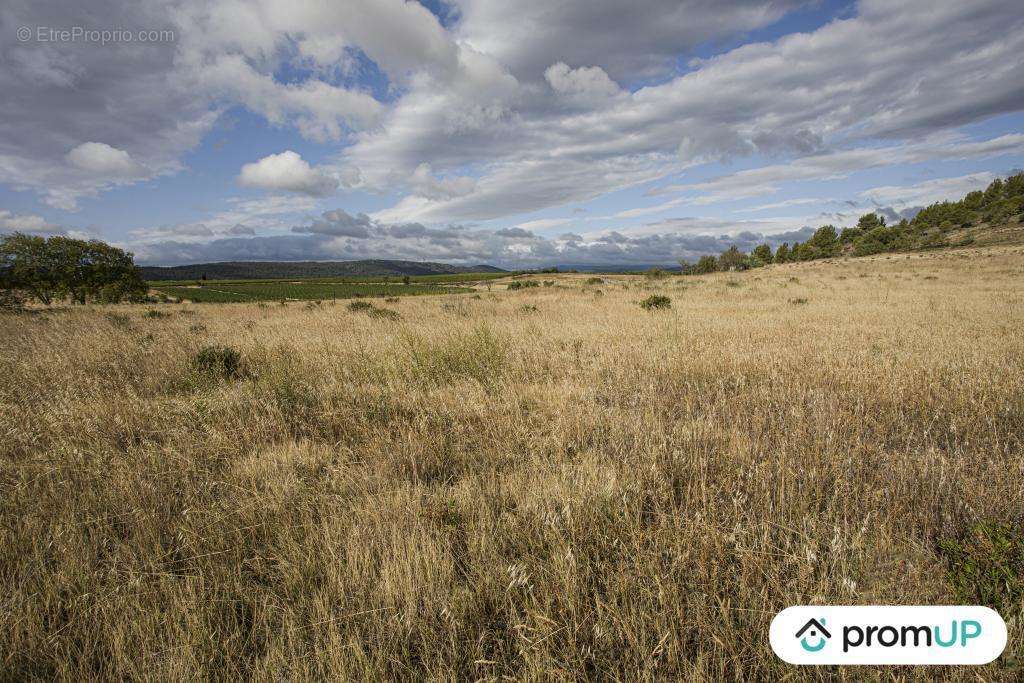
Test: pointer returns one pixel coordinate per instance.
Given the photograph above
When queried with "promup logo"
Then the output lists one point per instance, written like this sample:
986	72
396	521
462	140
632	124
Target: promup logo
817	630
888	635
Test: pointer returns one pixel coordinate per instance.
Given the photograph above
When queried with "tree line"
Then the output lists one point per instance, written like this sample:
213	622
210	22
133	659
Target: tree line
48	269
931	228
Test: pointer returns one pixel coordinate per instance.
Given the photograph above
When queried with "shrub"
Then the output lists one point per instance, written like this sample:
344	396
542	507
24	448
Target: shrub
153	313
798	301
594	281
358	306
117	319
528	308
219	361
392	299
11	301
986	566
656	301
522	284
383	313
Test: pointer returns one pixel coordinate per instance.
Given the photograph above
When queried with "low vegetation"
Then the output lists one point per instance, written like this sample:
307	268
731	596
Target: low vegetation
585	492
307	291
656	301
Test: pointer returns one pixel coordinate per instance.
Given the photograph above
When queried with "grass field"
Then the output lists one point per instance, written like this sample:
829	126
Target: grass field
296	290
545	484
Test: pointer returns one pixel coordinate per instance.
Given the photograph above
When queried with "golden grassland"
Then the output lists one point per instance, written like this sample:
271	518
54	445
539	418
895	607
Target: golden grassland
548	483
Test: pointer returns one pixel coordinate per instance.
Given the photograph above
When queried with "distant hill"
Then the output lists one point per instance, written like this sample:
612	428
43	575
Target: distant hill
274	270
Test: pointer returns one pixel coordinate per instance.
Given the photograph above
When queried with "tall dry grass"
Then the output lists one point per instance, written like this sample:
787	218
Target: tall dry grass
481	490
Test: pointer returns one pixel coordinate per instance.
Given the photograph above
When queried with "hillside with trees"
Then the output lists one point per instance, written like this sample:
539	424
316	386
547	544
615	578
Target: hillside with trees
945	224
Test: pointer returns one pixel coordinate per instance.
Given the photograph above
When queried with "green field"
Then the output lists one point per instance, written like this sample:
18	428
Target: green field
219	292
354	279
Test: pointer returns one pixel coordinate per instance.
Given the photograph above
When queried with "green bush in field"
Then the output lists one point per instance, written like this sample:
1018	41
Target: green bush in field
594	281
986	566
360	306
153	313
220	361
656	301
383	313
522	284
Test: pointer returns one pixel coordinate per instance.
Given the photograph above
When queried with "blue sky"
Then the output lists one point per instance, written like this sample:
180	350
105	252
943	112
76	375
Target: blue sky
518	134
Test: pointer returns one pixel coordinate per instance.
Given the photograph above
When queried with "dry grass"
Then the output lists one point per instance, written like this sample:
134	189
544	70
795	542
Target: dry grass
478	489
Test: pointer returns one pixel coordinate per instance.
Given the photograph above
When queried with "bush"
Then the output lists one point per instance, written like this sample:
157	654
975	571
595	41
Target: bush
656	301
594	281
117	319
383	313
986	566
11	301
358	306
153	313
522	284
219	361
373	311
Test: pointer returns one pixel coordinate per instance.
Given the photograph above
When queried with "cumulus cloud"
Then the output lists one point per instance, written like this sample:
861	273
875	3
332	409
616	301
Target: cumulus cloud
104	160
288	172
587	83
28	223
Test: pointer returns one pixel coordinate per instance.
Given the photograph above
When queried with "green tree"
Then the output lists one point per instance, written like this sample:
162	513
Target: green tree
47	268
869	222
27	265
732	258
763	253
706	264
782	253
825	241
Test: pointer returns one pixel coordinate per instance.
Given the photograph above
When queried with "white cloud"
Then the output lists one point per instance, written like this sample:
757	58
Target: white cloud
29	223
927	192
767	180
104	160
647	210
426	185
588	83
289	172
881	74
544	223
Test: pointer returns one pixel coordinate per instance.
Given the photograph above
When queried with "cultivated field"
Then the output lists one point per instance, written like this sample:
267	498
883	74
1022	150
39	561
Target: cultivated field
215	292
546	484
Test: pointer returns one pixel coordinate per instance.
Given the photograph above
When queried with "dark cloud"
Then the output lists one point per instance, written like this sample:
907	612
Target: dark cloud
338	223
338	235
515	233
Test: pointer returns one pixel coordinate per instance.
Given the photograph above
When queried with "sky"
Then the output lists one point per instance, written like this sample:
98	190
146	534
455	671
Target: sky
518	134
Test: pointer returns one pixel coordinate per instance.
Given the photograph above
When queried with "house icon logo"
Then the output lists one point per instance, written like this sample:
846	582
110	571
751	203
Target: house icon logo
817	633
